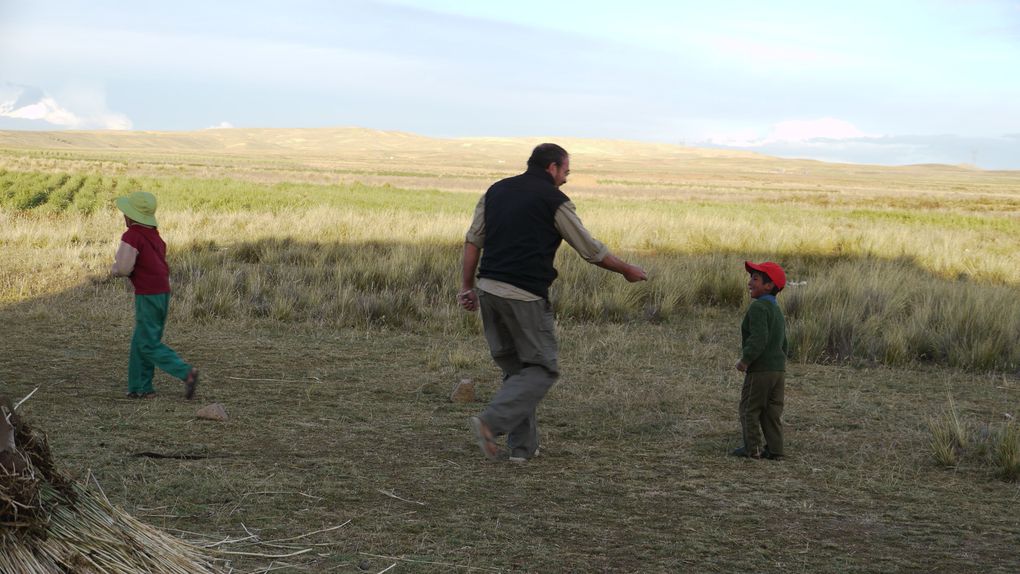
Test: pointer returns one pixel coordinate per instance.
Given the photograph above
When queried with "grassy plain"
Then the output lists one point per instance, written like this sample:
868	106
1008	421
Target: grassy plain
315	273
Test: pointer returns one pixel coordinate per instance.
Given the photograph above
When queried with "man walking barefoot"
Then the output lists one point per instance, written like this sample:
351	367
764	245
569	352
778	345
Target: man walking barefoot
518	225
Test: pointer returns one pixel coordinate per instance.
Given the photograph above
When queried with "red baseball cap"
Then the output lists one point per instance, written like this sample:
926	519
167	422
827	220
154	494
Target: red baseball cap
773	270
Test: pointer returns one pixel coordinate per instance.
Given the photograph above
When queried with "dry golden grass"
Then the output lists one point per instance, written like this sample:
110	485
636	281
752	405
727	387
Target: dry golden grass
633	477
322	313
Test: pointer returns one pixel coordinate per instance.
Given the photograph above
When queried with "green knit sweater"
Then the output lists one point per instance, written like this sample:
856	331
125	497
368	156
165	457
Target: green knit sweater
763	337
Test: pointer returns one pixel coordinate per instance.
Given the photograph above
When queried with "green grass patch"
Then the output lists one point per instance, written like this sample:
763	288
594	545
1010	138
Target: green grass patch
28	191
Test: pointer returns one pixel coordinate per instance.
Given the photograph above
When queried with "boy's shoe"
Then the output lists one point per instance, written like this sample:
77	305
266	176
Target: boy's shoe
766	454
486	442
190	383
744	453
133	396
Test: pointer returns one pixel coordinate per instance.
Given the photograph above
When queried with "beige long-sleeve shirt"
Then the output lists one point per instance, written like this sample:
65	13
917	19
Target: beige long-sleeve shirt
570	228
124	260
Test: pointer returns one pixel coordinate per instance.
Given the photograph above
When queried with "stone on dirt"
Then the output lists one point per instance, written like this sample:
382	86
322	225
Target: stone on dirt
213	412
463	392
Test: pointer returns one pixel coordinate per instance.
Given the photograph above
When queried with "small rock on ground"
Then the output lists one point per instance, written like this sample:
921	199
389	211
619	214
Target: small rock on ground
213	412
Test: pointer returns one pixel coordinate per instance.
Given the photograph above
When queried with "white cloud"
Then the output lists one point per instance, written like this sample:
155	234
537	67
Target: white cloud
984	152
807	130
765	52
790	131
34	105
831	139
46	109
221	126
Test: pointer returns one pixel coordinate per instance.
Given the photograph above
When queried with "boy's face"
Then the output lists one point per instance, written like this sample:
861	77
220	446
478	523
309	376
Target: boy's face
757	286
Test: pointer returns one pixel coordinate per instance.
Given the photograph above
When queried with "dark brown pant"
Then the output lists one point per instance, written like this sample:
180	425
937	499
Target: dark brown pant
761	405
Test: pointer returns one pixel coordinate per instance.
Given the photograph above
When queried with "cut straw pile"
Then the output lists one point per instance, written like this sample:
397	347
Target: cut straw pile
50	524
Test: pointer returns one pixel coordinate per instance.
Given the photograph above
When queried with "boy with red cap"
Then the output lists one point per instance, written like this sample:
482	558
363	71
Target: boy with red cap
763	360
142	258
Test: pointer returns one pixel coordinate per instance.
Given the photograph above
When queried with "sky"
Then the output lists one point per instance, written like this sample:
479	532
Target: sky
882	82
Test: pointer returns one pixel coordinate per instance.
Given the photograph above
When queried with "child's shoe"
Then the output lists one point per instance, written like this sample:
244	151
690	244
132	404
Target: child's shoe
190	383
744	453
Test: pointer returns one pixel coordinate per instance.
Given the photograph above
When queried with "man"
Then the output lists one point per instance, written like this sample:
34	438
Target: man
518	226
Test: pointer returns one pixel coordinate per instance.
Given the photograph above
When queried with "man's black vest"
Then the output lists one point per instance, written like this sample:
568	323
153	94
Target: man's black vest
520	231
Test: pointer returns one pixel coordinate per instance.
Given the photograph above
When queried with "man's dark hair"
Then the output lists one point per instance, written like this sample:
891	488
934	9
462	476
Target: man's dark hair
766	279
545	154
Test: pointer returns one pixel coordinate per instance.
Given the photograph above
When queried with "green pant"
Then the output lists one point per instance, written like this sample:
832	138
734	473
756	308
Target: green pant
761	405
147	349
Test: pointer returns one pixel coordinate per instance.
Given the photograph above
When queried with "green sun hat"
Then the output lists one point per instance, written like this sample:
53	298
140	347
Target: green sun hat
140	206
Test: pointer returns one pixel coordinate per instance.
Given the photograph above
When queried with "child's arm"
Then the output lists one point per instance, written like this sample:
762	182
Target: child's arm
124	261
758	336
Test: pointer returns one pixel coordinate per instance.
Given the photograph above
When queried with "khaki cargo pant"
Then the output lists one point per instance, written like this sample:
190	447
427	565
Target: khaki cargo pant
522	340
761	405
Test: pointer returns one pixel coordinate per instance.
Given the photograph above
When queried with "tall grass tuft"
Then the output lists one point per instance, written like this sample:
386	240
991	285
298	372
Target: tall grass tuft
952	440
895	313
882	290
948	436
1006	452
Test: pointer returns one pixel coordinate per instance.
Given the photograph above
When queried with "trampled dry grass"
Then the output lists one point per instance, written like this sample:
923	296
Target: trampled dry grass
329	427
337	421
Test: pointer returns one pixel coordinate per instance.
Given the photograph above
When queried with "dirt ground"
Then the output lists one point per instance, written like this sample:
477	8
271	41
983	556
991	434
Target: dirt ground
355	428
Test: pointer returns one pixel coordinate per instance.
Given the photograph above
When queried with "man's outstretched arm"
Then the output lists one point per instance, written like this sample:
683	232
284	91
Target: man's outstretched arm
592	250
631	273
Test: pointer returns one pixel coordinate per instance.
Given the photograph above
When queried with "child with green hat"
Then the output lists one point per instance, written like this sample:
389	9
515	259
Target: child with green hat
142	257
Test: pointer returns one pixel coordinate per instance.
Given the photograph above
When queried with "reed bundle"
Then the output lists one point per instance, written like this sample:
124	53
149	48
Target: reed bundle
50	524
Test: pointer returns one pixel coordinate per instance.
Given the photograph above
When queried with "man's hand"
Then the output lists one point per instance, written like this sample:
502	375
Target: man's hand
742	366
468	299
633	274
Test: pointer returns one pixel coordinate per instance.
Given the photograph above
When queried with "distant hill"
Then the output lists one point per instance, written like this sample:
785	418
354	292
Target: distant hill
327	141
411	160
